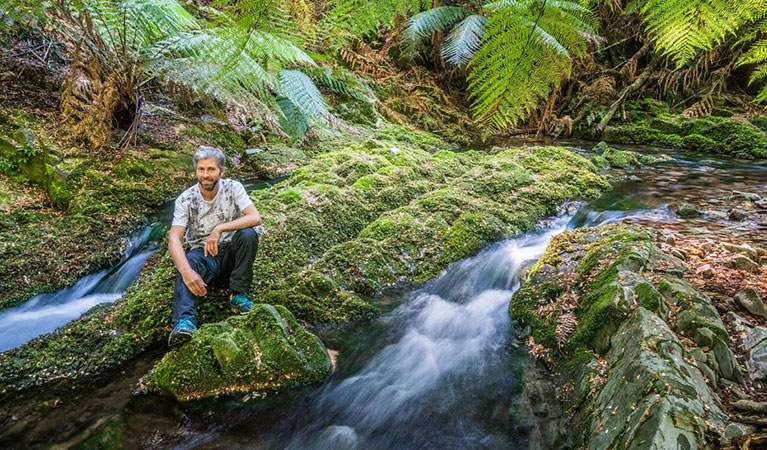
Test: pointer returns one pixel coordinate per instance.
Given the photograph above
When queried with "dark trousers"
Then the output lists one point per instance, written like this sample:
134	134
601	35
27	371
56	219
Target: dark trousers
234	260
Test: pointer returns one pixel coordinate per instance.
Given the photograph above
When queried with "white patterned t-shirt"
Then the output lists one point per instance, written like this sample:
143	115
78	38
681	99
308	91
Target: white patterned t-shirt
200	216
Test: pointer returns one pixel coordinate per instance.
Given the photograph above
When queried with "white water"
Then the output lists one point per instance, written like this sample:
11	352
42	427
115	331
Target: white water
454	329
45	313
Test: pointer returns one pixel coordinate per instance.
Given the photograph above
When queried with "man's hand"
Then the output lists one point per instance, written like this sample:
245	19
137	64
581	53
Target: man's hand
195	283
211	245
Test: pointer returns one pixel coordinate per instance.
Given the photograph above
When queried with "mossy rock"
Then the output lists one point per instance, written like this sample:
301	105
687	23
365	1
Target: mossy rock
263	351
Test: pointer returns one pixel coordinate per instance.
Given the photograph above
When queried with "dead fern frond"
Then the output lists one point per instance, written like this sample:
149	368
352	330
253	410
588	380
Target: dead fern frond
601	89
546	310
566	324
88	101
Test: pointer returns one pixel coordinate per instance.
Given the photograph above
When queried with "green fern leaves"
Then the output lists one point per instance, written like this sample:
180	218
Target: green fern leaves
464	40
526	51
681	28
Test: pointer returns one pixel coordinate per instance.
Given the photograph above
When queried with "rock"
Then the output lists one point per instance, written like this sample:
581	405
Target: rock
743	262
704	337
755	344
762	204
737	214
687	210
749	298
746	195
734	431
744	249
679	253
725	359
706	271
739	324
751	406
670	240
647	352
264	350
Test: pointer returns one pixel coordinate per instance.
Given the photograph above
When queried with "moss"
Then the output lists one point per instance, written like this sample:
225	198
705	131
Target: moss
265	350
592	261
715	134
214	134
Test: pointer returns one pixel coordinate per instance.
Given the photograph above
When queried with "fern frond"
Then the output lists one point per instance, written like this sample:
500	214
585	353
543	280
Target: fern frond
525	53
341	82
464	40
358	18
302	91
422	25
681	28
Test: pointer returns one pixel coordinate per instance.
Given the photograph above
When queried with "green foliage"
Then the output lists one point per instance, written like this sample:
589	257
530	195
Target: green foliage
422	25
681	28
526	50
464	40
358	18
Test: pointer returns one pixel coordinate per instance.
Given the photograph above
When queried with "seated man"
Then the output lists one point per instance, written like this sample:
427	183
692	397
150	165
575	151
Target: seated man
218	217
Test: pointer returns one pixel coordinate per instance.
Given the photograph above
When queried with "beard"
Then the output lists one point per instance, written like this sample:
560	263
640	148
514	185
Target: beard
209	186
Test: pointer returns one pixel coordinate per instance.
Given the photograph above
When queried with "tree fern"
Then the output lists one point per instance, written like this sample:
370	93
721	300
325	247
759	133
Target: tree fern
359	18
464	40
300	89
422	25
526	51
681	28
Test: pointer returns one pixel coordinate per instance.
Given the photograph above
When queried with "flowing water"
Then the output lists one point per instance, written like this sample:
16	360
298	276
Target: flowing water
47	312
439	368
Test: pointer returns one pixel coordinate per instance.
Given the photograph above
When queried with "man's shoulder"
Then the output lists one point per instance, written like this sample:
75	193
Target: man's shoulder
229	183
188	195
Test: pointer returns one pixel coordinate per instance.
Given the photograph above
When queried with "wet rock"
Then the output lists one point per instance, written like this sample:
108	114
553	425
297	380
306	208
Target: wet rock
679	253
735	431
746	196
706	271
664	404
751	406
738	214
749	298
264	350
687	210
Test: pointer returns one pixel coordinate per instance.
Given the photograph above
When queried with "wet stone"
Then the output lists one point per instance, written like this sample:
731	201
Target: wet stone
745	195
687	210
743	262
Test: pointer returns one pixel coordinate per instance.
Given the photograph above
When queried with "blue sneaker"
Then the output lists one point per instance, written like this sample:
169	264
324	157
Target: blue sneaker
240	303
182	332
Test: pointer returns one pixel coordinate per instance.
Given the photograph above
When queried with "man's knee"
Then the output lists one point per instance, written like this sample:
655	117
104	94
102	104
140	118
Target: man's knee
247	236
197	261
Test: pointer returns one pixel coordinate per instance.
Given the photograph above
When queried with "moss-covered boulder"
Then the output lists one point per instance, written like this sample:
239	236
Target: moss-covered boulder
650	124
614	314
265	350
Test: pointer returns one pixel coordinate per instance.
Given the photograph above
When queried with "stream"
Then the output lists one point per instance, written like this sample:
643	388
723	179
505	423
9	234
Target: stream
440	366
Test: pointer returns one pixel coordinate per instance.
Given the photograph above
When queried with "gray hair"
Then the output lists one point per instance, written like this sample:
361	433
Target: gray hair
206	152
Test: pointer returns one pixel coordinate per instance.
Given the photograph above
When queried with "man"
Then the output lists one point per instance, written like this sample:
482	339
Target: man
218	217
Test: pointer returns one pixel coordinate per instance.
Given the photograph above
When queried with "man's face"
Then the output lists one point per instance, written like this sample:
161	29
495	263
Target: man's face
208	173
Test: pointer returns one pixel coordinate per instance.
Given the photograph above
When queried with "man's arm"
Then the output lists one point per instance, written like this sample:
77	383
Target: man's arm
192	279
250	218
